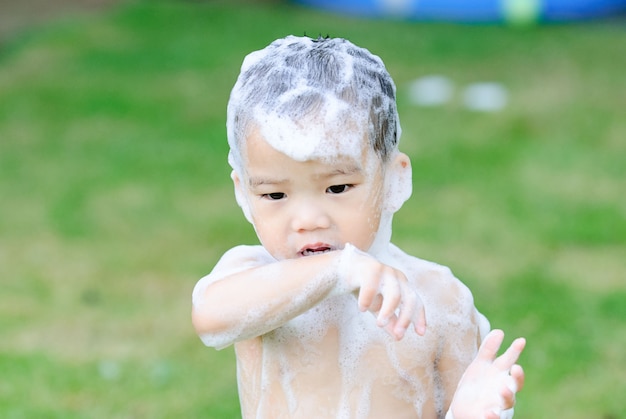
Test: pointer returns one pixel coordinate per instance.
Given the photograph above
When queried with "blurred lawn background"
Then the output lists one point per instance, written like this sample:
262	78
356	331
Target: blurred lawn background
115	198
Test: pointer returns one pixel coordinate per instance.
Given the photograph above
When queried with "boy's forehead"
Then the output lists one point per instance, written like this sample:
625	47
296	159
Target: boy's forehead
323	136
263	164
311	143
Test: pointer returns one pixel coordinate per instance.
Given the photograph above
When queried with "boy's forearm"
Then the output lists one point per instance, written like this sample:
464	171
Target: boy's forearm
459	351
258	300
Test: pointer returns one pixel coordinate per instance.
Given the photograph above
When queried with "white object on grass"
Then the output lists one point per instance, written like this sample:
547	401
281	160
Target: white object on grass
485	97
432	90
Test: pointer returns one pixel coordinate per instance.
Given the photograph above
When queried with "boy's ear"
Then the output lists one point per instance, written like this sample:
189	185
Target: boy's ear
240	197
398	182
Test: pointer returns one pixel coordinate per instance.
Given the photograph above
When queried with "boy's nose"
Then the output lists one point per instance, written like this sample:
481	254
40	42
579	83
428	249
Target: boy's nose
307	216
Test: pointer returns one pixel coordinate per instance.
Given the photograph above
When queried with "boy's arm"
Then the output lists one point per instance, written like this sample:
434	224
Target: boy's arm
235	303
249	294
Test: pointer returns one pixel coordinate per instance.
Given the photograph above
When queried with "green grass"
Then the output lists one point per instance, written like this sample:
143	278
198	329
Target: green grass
115	199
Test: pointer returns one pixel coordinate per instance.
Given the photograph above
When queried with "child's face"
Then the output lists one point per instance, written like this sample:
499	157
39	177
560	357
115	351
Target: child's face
300	208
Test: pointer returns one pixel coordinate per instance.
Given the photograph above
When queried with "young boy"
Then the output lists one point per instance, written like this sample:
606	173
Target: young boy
313	133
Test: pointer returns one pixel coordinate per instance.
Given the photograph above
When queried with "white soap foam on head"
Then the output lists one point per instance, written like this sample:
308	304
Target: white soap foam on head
314	137
299	89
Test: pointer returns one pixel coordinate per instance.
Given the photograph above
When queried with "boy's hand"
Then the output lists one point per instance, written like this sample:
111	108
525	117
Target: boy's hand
489	384
386	292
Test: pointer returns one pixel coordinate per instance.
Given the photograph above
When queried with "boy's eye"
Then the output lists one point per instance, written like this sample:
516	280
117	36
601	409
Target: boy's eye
274	196
336	189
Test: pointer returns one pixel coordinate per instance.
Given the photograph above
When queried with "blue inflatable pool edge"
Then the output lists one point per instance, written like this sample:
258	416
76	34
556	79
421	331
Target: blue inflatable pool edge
476	11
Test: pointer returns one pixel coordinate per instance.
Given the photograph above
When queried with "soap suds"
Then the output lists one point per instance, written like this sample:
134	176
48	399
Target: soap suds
299	89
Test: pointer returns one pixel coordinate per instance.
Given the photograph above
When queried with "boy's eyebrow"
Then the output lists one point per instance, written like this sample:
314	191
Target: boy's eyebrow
347	170
258	181
340	171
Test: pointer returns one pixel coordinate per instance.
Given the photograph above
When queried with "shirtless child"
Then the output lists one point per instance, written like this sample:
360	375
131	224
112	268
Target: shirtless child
328	318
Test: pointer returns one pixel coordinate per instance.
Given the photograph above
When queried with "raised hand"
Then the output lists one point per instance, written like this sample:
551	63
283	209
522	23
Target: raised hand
489	384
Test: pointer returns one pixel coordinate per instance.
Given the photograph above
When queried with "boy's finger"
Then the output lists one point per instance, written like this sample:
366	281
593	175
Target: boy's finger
507	394
412	311
391	300
391	327
517	373
404	320
419	320
490	346
377	303
511	355
366	297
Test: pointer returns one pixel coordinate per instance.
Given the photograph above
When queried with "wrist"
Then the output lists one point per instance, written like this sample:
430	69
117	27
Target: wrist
344	267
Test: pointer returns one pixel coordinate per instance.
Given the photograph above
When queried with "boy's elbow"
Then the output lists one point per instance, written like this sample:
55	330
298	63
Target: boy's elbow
210	329
200	322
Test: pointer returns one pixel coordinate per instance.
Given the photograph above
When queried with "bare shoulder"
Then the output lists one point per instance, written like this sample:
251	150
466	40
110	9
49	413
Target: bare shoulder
244	257
434	281
241	258
449	303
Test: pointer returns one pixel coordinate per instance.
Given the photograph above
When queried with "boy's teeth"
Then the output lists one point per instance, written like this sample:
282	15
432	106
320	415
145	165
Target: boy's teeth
309	252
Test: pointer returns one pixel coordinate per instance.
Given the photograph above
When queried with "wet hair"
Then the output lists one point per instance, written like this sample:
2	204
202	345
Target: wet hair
296	78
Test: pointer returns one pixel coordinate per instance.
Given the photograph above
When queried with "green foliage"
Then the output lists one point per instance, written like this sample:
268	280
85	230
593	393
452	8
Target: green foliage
115	198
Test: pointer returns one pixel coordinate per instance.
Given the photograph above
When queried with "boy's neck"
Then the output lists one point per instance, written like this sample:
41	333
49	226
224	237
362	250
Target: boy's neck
380	246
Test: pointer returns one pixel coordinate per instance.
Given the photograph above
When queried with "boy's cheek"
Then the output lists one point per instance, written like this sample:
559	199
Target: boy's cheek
261	218
244	203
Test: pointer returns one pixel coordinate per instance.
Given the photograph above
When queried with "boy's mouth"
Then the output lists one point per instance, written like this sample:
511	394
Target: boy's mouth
315	249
